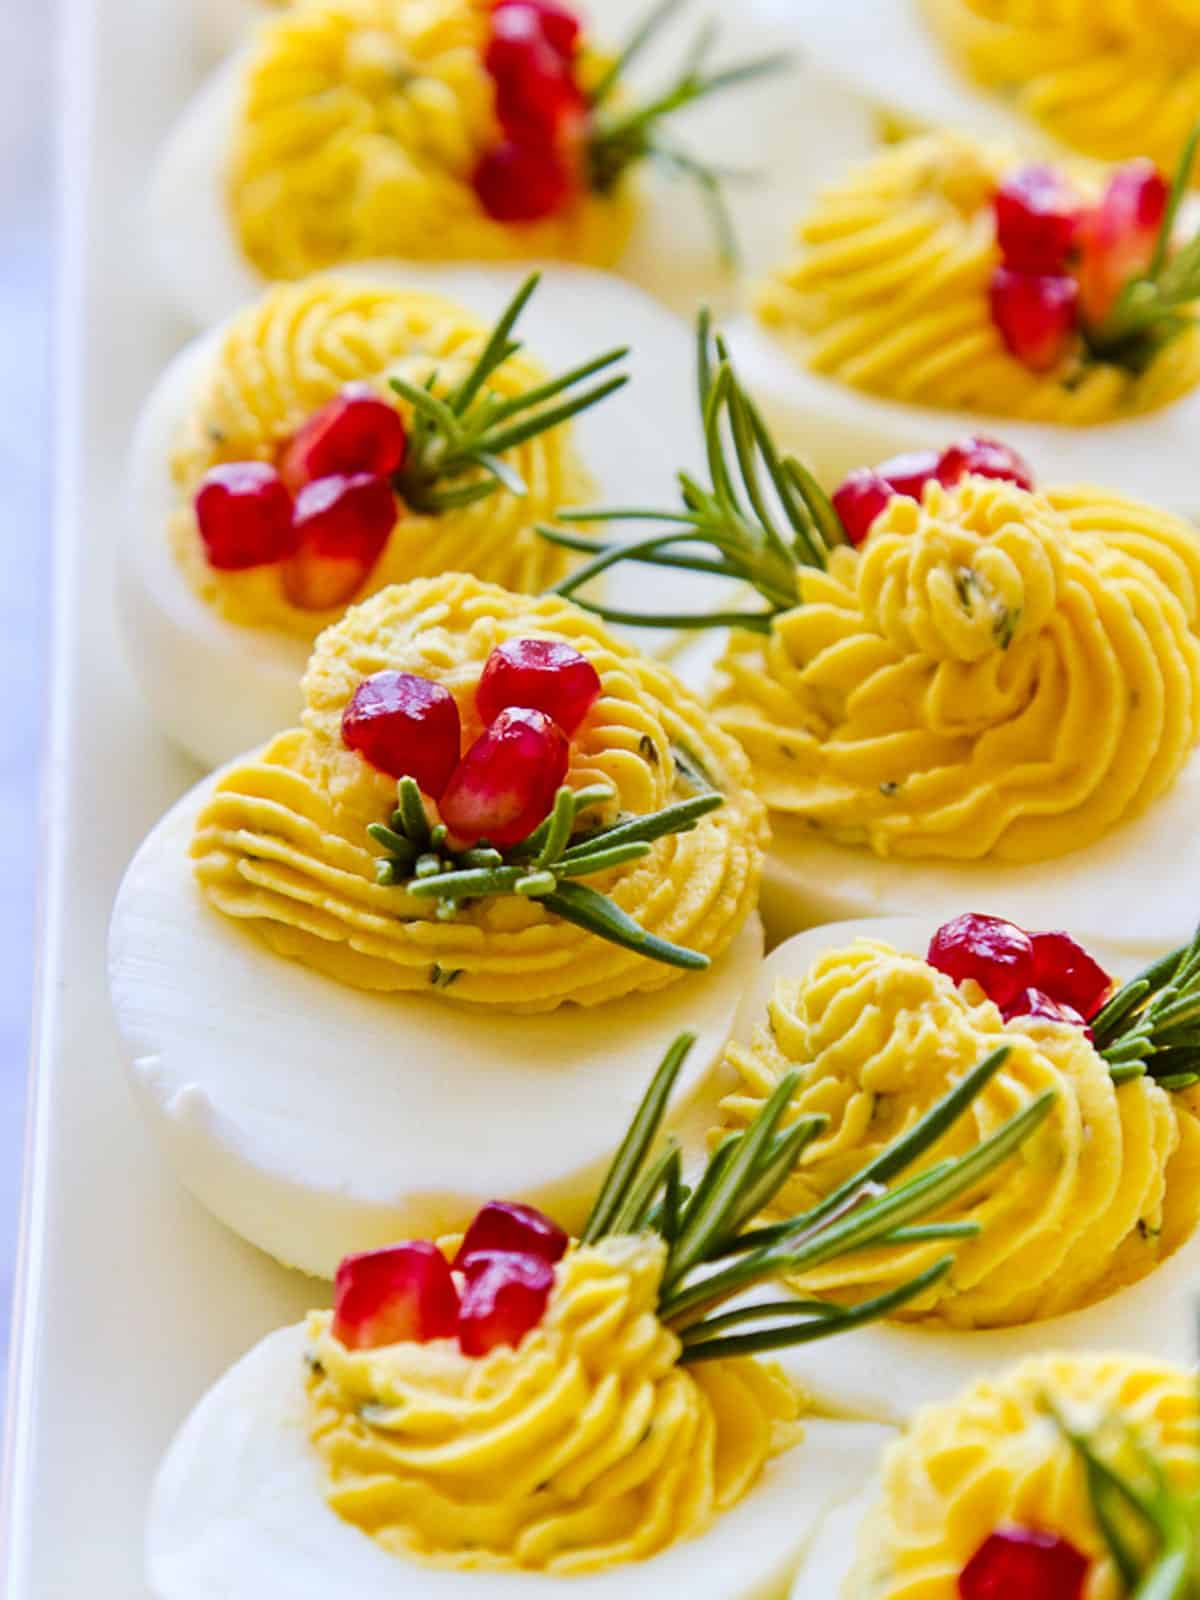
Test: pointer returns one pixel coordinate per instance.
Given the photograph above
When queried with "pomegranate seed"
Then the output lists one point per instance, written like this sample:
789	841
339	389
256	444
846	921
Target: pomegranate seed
1021	1562
518	183
1119	236
245	516
537	98
504	1298
355	432
908	474
1063	968
1035	1003
543	673
985	458
1036	315
405	1292
515	1229
344	524
997	954
506	783
560	26
1038	215
859	501
405	726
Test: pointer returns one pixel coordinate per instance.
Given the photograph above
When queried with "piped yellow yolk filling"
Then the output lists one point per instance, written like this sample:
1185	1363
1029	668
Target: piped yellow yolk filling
1100	1194
1113	78
993	673
888	292
994	1459
584	1448
293	351
359	128
282	845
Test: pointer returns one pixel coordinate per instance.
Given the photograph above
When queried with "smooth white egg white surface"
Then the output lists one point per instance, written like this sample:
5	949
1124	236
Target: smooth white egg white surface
218	688
315	1119
221	25
750	131
238	1510
887	1370
831	1555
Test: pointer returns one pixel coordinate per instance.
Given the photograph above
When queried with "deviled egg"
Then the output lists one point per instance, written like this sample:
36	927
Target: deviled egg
441	130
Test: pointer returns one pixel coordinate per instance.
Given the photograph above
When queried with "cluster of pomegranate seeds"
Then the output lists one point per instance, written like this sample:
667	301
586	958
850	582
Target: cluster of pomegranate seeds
865	493
1023	1562
409	1293
543	673
535	170
506	783
325	512
1027	975
405	726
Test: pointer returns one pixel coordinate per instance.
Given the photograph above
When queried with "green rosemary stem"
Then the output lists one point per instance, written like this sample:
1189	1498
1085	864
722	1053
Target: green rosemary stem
1151	1025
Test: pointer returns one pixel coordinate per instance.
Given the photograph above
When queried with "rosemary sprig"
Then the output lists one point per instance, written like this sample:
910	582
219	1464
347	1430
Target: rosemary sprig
458	438
1151	1026
762	513
714	1255
546	867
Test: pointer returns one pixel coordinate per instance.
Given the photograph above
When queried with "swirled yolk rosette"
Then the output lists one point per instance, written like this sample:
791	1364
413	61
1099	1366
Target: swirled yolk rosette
282	844
293	351
1104	1190
994	673
995	1459
888	292
1104	76
586	1447
360	126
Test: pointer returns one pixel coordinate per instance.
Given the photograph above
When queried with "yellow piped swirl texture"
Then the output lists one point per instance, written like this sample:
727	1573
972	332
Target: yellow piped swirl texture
295	349
992	674
1112	78
282	844
586	1447
887	292
1104	1190
993	1459
359	126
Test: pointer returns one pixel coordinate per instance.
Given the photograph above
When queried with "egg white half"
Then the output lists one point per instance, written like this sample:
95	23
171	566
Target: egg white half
315	1119
887	1370
238	1510
673	254
218	688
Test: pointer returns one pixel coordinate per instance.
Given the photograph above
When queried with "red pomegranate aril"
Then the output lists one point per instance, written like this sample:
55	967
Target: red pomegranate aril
908	474
405	726
344	524
1062	968
984	458
543	673
506	783
504	1226
859	501
356	432
1023	1564
997	954
538	101
1038	215
521	183
1036	315
560	26
504	1299
244	513
1118	238
403	1293
1034	1002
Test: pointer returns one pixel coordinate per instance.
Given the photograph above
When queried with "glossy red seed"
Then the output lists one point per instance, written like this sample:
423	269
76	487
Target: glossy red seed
1118	237
1064	969
1036	314
355	432
405	1292
997	954
344	524
908	474
544	673
560	25
1022	1564
504	1299
244	513
859	501
1038	214
985	458
405	726
1035	1003
501	1225
538	102
506	783
523	183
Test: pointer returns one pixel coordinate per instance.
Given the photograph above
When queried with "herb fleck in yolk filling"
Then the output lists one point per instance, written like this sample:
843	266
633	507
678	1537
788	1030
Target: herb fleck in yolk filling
282	844
585	1447
1104	1191
994	673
